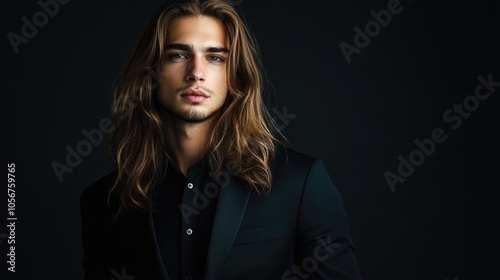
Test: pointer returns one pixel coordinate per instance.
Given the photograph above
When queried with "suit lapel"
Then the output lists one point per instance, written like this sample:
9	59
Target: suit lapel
231	206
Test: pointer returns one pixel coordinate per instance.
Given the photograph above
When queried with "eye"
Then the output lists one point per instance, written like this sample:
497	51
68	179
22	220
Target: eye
177	56
215	58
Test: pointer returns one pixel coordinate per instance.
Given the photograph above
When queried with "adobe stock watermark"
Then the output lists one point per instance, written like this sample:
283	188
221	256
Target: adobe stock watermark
121	276
321	253
211	189
372	29
454	117
282	118
236	2
94	137
30	28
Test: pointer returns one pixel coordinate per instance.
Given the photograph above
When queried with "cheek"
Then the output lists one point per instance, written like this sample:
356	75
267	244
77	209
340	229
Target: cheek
171	72
165	90
166	75
222	81
168	79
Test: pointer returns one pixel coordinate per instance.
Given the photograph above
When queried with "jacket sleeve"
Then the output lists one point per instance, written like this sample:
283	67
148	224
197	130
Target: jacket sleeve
120	248
324	245
95	257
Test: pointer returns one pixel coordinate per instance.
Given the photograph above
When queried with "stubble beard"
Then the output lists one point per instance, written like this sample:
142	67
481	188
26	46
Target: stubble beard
193	115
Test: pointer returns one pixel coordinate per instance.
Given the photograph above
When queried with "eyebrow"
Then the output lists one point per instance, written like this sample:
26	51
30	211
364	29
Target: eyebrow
184	47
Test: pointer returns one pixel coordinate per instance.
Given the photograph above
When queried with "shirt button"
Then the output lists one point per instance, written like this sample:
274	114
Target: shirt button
190	186
189	231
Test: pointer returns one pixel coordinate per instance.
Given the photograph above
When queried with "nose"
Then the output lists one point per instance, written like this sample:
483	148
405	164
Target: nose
195	73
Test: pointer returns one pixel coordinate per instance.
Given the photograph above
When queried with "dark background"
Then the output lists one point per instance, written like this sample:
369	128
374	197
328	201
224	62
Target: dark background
442	222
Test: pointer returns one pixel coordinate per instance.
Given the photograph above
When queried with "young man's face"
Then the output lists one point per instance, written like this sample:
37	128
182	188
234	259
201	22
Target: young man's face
193	85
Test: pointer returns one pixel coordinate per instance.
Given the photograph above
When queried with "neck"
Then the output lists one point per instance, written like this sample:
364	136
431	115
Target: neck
187	142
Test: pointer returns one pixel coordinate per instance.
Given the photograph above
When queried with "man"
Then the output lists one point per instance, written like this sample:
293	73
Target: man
202	189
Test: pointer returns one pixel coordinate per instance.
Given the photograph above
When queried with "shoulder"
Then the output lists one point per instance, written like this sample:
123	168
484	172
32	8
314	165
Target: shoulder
291	158
289	161
98	191
97	206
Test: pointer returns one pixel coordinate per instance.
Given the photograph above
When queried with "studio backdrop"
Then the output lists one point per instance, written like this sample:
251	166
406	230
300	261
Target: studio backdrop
400	99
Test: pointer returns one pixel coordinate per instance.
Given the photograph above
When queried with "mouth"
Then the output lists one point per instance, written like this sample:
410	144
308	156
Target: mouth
193	95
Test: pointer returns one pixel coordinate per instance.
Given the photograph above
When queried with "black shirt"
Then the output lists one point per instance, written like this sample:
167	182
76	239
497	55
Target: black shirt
183	215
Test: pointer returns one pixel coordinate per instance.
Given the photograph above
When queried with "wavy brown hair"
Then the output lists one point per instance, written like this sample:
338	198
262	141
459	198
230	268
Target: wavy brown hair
242	133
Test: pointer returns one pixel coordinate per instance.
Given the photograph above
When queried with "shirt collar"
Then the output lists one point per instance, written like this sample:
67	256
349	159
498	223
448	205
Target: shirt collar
194	170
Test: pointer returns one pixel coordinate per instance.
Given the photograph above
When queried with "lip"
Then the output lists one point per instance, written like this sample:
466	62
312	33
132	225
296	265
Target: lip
193	95
194	92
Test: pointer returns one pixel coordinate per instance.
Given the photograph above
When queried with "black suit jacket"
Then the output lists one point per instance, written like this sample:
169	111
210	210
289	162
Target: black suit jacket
297	231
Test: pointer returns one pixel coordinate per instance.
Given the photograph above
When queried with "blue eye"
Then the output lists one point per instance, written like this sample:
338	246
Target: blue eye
215	58
177	56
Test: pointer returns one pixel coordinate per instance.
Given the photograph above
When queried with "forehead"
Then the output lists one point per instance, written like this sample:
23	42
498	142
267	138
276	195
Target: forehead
197	31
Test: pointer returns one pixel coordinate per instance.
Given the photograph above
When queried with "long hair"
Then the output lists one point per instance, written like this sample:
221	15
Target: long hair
241	134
